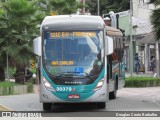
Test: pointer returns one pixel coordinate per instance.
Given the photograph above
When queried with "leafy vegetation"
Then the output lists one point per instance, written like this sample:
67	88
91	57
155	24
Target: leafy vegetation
7	84
59	7
155	19
107	5
30	87
142	82
33	71
10	88
19	25
18	21
155	2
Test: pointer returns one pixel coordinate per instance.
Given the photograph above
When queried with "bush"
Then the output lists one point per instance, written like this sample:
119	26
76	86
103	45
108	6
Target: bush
33	71
12	71
142	82
30	87
7	84
7	88
32	80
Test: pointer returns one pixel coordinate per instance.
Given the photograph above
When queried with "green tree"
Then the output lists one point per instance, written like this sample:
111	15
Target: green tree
60	7
155	19
19	20
2	43
92	6
107	5
18	26
155	2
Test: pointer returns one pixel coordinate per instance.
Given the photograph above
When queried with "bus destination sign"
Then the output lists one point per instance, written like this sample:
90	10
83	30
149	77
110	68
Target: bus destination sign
70	34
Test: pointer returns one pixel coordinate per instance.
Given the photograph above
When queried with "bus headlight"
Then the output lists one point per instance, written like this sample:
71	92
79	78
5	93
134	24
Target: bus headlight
99	85
47	84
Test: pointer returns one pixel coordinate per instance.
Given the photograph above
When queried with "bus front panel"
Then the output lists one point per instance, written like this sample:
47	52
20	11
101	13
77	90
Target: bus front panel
73	66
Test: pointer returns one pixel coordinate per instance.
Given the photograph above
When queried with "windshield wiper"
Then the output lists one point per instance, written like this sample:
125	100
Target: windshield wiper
81	74
65	74
88	75
74	74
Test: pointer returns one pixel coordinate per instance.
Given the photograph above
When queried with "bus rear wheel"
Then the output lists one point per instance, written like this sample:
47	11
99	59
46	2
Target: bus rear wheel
101	105
47	106
113	94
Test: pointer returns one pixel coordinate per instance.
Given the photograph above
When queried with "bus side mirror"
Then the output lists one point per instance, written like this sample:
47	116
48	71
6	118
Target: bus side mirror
37	46
108	45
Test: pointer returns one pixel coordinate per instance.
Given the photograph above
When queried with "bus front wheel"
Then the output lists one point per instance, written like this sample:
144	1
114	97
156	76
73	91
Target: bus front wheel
101	105
47	106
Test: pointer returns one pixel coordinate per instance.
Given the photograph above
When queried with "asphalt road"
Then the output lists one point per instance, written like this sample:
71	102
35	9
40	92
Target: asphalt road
128	99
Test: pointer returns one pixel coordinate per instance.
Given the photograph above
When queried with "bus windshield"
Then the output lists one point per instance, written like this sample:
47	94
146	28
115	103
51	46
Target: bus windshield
76	53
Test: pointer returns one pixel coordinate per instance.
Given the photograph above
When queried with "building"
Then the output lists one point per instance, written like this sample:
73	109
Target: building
143	40
146	45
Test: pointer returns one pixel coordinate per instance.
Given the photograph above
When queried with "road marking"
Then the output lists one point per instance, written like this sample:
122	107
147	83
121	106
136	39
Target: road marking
4	108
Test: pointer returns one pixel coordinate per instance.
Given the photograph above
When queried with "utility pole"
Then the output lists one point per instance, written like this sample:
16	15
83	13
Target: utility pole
131	42
7	68
98	6
84	2
7	58
157	59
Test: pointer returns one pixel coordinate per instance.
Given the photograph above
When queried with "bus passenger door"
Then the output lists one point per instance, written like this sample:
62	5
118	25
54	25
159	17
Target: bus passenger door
109	68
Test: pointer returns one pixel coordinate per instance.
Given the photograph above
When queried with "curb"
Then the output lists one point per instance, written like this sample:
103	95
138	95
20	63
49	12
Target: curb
4	108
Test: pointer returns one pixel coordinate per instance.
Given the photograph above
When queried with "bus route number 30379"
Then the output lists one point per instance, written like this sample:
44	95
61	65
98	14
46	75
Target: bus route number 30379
63	89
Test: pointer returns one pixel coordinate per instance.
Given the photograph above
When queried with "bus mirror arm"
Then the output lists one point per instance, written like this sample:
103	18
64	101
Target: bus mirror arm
108	45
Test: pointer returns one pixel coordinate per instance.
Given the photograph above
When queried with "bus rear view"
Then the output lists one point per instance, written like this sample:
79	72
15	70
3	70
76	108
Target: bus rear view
72	60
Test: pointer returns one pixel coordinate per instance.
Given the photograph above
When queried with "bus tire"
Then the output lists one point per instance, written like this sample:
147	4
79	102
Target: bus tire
112	95
101	105
47	106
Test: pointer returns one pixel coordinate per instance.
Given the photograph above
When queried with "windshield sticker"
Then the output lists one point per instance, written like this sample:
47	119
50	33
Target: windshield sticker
52	71
54	63
79	71
99	62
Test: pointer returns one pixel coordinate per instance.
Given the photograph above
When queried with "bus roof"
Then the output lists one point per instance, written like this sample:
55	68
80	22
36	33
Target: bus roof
73	22
111	31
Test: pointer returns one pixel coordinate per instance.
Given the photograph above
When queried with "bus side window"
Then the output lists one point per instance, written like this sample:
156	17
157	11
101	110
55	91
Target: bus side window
122	48
111	58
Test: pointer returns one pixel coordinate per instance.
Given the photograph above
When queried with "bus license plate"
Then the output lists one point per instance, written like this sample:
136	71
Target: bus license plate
73	96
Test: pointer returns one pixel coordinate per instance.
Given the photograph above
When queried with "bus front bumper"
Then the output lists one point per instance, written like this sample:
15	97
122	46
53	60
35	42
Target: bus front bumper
62	97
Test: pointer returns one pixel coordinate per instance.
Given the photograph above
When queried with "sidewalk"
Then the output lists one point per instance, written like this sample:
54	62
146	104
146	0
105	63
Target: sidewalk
36	88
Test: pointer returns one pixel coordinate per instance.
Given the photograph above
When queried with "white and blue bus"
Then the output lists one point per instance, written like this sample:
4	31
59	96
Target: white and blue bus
79	60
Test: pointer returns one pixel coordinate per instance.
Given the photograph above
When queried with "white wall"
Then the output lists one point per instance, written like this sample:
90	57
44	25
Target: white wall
142	9
141	14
